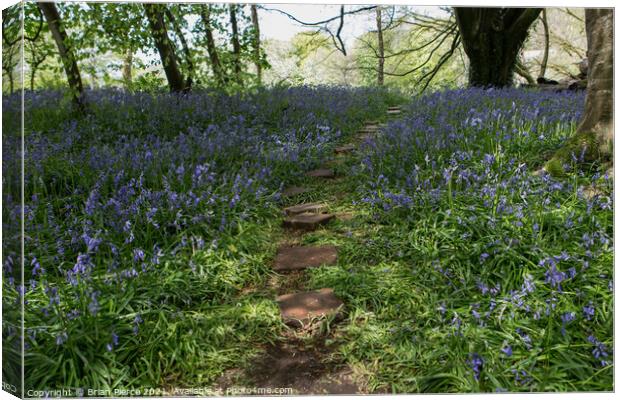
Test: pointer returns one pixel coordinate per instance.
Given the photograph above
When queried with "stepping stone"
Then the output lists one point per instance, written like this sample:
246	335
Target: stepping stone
345	149
302	257
393	112
294	191
305	208
589	192
367	138
394	108
298	309
321	173
373	128
307	221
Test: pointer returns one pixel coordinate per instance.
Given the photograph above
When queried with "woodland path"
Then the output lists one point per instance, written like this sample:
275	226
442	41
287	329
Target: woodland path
305	358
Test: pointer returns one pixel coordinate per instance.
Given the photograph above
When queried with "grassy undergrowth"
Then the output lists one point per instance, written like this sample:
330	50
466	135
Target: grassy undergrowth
146	220
151	236
463	272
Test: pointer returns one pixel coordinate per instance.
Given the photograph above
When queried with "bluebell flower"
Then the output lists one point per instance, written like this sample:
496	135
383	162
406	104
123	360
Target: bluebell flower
477	364
588	311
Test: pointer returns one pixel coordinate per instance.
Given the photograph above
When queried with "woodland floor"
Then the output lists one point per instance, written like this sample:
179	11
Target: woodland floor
305	359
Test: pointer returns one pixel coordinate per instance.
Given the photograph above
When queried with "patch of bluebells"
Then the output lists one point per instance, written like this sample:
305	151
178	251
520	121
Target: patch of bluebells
535	251
477	364
149	178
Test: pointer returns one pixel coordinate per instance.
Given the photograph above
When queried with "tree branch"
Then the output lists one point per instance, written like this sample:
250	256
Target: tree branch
524	20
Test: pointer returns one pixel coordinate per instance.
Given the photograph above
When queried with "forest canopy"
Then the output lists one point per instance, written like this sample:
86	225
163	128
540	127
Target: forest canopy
114	45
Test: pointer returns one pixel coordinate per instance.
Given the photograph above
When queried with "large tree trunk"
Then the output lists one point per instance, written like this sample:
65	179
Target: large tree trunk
598	117
216	65
66	53
154	13
594	135
127	68
380	47
492	38
235	41
257	60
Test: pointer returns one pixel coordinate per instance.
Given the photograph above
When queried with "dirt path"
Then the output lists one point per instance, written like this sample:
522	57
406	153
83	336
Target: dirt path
304	360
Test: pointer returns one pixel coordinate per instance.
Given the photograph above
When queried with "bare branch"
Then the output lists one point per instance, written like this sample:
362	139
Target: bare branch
324	22
432	52
444	58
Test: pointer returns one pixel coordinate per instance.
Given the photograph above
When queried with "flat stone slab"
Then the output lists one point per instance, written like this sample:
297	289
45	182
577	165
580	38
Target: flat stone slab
298	309
369	129
368	138
345	148
392	108
307	221
589	192
393	112
321	173
302	257
294	191
305	208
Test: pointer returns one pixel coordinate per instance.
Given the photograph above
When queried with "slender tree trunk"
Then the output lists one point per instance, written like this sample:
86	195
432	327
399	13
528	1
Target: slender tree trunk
186	51
216	65
543	63
257	60
66	53
154	13
11	84
381	49
235	42
33	71
127	68
492	38
8	66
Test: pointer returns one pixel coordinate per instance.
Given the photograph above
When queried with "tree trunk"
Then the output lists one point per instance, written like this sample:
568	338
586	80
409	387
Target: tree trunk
66	53
235	42
257	60
543	63
8	66
492	38
9	74
186	50
216	65
380	46
127	66
598	117
166	50
33	71
594	135
522	70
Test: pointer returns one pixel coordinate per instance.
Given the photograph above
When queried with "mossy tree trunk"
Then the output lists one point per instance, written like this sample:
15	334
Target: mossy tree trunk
492	38
67	56
127	68
232	8
594	135
155	16
598	118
